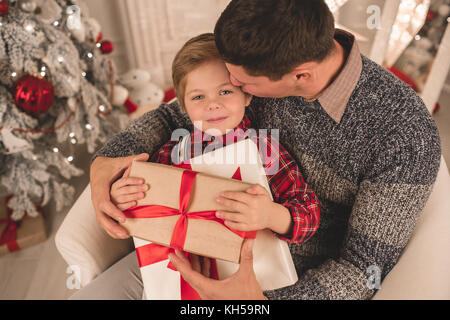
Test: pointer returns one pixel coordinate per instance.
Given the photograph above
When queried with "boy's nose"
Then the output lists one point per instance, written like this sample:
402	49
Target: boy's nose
213	106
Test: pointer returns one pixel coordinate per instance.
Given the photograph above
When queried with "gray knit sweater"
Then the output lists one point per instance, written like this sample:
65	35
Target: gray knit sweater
373	173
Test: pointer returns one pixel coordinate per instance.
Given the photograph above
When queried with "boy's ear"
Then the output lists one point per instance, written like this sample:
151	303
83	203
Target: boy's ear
248	99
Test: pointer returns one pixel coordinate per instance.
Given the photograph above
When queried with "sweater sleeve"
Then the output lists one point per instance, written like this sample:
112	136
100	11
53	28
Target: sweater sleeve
391	197
147	133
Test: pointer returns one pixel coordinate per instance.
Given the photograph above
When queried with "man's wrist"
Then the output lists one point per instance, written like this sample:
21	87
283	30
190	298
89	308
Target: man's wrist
110	167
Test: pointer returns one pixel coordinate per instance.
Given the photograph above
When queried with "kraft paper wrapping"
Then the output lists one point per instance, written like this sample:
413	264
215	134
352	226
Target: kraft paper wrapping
30	230
206	238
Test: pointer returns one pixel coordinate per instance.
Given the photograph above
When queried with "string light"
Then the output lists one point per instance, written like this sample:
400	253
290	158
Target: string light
70	158
89	126
55	150
29	27
410	18
334	5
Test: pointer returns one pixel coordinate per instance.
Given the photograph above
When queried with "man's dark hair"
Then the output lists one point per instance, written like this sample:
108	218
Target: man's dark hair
272	37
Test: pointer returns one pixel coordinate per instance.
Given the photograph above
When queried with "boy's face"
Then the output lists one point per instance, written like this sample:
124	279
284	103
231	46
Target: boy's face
211	101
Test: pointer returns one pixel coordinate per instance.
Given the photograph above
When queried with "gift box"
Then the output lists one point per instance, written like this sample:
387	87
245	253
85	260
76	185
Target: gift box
204	236
217	171
16	235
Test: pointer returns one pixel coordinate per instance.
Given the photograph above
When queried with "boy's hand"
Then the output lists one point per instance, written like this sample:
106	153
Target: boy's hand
253	210
126	190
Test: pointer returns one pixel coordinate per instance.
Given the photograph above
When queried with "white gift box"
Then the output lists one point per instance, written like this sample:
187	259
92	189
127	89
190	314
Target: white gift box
272	262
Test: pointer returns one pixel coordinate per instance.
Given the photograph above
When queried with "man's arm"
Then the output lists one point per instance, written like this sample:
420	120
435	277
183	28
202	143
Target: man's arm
139	140
146	134
390	199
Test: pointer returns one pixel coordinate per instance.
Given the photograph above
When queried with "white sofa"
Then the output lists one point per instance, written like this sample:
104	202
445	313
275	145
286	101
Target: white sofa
421	273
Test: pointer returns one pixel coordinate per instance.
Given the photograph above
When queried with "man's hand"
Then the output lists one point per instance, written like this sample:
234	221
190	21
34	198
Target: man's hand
253	210
240	286
102	174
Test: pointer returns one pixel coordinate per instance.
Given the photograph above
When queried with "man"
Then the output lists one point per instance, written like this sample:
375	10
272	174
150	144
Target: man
364	141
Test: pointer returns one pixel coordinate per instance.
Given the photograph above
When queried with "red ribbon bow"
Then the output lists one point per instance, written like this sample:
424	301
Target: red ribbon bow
9	234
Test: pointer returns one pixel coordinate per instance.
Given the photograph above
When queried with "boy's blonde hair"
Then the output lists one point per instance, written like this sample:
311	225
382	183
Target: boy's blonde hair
195	52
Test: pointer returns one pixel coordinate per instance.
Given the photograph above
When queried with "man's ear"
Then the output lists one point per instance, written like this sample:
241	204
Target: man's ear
300	73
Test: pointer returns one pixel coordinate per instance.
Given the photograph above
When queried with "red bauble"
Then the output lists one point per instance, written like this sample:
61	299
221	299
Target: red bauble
99	37
4	8
33	95
107	47
169	95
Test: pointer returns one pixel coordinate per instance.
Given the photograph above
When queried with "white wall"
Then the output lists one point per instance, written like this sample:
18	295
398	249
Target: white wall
158	27
107	13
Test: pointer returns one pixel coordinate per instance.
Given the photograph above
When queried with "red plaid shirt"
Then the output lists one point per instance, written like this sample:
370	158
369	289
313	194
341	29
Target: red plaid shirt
285	181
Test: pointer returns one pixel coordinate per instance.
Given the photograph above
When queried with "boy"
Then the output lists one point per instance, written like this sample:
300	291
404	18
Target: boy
214	105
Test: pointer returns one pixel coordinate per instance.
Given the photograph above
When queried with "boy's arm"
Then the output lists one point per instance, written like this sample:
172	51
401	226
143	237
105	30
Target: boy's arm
291	191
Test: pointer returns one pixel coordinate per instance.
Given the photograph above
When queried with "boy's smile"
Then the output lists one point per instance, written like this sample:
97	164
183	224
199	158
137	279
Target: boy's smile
212	102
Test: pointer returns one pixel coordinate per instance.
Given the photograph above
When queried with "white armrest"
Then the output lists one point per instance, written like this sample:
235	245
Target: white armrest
422	271
84	244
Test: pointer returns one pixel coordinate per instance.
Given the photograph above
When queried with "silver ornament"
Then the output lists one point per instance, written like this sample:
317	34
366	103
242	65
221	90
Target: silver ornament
28	5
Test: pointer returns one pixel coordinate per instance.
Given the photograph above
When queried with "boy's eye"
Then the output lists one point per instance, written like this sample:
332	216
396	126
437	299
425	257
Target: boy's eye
197	97
225	92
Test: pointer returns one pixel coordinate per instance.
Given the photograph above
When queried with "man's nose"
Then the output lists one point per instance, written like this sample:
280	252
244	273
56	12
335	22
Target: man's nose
235	82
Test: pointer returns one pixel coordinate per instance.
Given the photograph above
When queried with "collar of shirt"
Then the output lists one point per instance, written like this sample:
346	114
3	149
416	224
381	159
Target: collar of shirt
237	134
335	97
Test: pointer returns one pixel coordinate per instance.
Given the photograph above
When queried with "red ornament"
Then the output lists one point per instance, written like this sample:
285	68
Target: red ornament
33	95
169	95
4	8
99	37
107	47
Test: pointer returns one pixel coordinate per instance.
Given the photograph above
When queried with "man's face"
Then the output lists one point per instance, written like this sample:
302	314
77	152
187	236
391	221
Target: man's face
261	86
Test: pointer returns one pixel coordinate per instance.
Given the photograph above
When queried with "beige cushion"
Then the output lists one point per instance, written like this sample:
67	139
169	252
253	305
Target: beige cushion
84	245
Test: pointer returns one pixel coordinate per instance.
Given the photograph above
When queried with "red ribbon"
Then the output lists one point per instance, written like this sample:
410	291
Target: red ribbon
153	253
9	234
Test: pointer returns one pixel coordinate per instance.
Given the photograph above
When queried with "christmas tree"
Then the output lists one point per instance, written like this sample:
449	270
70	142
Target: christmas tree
56	87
